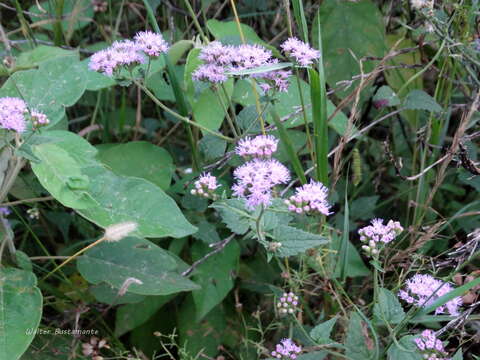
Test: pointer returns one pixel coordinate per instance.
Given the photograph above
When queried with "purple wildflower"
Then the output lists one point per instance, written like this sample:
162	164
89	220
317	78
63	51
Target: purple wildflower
121	53
257	178
250	56
310	198
378	232
211	73
277	79
288	303
300	51
217	54
205	186
422	287
151	43
39	119
262	146
431	347
5	211
287	349
12	114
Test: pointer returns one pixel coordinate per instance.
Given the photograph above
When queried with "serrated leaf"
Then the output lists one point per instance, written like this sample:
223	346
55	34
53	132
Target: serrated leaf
388	309
115	262
295	241
233	215
420	100
321	332
358	344
20	311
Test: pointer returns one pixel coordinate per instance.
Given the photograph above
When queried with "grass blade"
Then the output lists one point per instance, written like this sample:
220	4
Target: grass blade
300	19
282	132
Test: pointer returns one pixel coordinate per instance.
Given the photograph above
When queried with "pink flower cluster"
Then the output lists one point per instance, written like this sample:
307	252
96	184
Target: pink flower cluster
12	114
205	186
128	53
301	52
378	232
309	199
220	59
39	119
256	180
288	303
431	347
287	349
262	146
423	289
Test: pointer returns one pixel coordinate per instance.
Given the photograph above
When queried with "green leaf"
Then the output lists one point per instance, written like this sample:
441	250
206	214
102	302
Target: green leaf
55	172
214	276
295	241
140	159
123	199
177	50
56	84
420	100
363	207
77	14
204	336
115	262
314	355
386	96
130	316
20	311
458	355
108	295
233	215
227	32
409	350
260	69
212	147
41	54
388	308
358	345
349	26
94	80
321	332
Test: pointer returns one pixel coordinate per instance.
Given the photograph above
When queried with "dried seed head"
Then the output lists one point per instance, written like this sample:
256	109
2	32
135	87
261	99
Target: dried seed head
117	232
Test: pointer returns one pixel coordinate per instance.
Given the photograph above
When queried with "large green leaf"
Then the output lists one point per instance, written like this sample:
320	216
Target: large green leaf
156	268
41	54
20	311
76	14
56	84
140	159
123	199
214	276
349	26
69	171
321	332
233	214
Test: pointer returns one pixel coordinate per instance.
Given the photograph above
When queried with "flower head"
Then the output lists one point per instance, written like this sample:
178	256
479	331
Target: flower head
262	146
250	56
301	52
277	79
431	347
422	290
310	198
205	186
287	349
121	53
217	54
211	73
151	43
287	303
12	114
39	119
5	211
420	4
256	180
379	232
